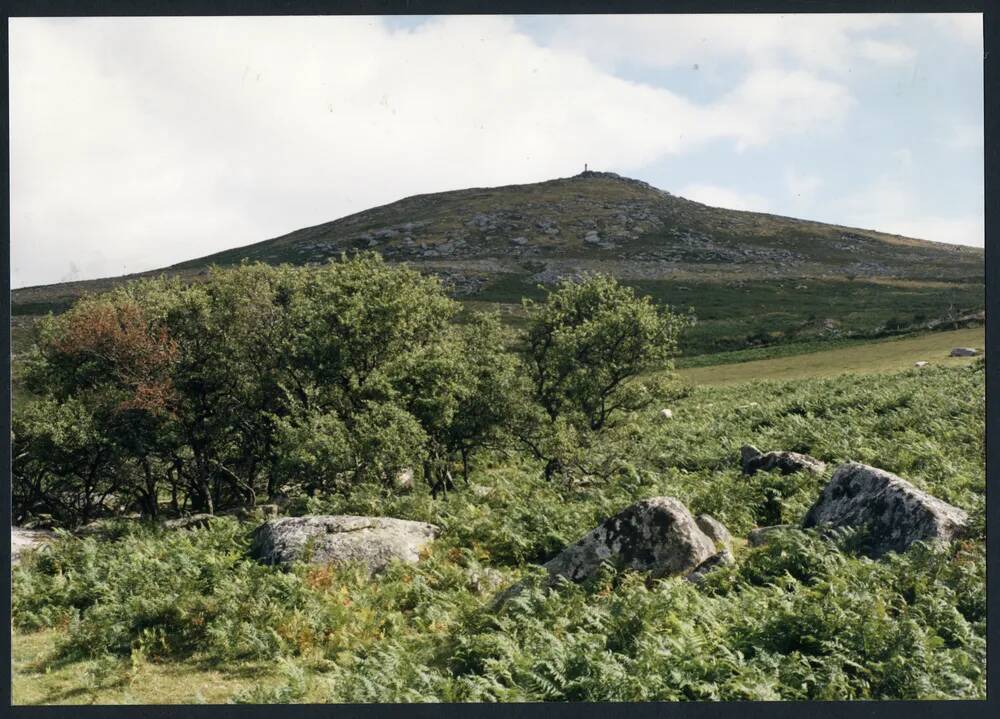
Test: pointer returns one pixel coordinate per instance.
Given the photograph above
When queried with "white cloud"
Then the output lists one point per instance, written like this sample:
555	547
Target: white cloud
772	101
889	53
903	157
140	142
828	41
887	206
718	196
802	188
966	27
964	136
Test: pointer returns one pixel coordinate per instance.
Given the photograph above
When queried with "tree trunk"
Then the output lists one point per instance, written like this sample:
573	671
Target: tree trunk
150	498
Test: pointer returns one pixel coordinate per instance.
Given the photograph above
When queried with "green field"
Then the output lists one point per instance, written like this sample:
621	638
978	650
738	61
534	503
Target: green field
887	355
151	616
735	315
313	388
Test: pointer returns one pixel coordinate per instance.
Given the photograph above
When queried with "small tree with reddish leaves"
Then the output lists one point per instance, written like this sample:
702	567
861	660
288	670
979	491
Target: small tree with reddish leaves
104	368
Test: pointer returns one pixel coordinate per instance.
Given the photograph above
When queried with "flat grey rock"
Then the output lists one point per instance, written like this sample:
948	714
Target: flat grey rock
657	535
753	460
964	352
895	513
336	539
23	541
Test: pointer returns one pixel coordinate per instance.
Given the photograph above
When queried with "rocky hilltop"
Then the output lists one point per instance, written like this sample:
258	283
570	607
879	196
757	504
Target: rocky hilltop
765	273
602	221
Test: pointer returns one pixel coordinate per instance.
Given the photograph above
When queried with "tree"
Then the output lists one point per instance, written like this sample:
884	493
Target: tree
233	331
359	330
591	347
464	389
256	380
103	372
64	464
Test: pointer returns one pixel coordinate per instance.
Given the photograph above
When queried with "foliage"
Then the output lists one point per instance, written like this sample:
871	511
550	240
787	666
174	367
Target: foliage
259	380
589	346
804	617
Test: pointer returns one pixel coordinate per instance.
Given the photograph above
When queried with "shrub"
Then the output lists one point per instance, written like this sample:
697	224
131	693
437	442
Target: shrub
590	348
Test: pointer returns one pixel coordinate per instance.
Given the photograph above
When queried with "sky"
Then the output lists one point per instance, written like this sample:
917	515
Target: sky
140	142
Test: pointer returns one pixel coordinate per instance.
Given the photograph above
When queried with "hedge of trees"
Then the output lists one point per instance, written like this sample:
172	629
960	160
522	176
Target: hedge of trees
260	380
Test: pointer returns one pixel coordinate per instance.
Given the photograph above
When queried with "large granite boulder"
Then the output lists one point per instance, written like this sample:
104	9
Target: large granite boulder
895	513
26	540
753	460
337	539
656	535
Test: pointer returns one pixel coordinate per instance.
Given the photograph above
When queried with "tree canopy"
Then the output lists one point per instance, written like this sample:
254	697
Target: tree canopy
258	381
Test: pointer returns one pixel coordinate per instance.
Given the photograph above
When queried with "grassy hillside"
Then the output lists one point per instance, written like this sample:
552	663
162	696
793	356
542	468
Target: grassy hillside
752	279
146	615
600	219
889	355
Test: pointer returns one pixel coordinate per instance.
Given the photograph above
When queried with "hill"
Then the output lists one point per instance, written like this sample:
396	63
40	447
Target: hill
752	278
602	221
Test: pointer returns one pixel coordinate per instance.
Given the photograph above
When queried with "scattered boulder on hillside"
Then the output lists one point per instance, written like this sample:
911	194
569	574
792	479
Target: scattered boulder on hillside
762	535
964	352
404	479
666	414
893	511
318	539
921	363
484	579
753	460
715	530
27	540
720	559
655	535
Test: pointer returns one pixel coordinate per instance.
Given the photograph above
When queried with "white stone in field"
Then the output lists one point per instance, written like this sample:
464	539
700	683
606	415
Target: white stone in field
26	540
337	539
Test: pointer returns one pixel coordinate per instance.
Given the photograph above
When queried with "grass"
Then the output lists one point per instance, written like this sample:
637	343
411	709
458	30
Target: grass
39	680
147	615
888	355
764	316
